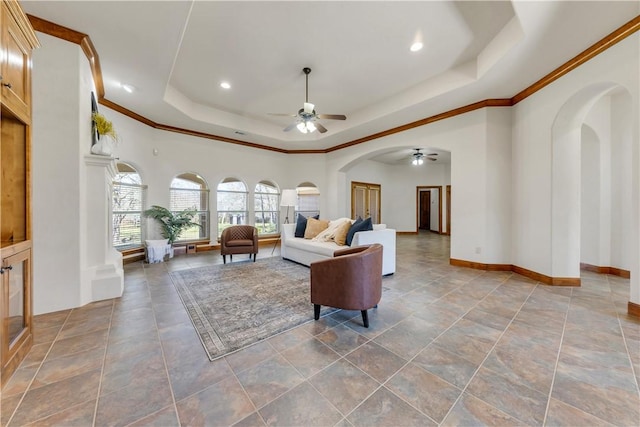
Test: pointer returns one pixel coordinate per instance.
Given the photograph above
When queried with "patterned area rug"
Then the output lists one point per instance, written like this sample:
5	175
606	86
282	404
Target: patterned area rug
241	303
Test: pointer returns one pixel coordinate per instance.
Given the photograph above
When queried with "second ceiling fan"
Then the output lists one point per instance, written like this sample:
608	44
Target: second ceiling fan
418	157
307	117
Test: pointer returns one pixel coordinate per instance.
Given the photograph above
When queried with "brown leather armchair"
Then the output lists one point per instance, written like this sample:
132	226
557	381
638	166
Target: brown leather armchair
351	280
239	239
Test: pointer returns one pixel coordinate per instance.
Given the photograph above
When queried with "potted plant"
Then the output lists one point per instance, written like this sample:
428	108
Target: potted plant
103	127
172	224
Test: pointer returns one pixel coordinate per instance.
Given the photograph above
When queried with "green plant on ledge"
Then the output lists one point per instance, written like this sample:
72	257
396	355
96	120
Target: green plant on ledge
103	126
172	224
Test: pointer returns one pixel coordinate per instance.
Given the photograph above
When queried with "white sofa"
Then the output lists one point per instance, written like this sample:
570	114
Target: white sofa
305	251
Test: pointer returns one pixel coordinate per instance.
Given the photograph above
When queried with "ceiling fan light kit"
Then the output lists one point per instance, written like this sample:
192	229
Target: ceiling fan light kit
417	158
307	117
306	127
308	107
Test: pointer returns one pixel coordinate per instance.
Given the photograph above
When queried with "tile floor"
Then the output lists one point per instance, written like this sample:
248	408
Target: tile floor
447	346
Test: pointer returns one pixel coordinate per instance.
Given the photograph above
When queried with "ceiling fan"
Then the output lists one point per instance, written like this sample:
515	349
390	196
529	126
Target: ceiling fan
417	158
307	117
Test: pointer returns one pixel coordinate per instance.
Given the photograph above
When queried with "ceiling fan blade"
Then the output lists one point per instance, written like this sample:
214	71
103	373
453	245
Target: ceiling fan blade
332	116
432	154
431	158
290	127
320	128
282	114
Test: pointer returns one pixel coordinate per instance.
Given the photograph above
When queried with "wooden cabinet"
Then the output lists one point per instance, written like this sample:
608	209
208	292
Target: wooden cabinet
16	66
15	276
17	39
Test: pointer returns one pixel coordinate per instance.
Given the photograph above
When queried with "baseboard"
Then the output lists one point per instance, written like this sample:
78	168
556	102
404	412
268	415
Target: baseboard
413	233
480	266
538	277
626	274
633	309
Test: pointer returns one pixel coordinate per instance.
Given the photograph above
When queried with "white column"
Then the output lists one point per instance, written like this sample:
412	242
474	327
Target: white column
102	274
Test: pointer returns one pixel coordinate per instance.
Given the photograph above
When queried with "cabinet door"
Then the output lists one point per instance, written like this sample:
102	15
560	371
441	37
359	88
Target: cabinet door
14	182
16	308
15	71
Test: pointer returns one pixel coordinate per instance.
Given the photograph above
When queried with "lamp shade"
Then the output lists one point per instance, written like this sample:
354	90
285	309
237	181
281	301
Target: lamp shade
288	198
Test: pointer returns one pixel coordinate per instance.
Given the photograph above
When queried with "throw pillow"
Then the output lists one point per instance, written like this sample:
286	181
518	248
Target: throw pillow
364	225
301	225
350	234
328	234
341	234
314	226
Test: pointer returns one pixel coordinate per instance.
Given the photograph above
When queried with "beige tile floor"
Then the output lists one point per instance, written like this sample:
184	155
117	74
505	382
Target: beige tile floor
447	346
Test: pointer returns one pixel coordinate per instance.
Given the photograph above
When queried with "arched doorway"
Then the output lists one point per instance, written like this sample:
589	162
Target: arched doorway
613	164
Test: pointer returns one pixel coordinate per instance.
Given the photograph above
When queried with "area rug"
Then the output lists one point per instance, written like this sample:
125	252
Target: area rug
238	304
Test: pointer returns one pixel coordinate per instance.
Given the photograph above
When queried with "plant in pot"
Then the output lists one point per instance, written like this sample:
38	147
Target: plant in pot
103	127
172	224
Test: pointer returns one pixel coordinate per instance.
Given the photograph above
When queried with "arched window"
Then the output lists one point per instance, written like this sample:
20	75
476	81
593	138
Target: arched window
232	203
266	206
128	203
190	191
308	200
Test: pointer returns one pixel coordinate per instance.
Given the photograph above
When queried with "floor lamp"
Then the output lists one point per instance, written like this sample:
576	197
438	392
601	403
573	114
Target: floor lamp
288	199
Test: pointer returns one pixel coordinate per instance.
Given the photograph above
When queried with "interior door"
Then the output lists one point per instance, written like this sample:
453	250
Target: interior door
425	210
365	201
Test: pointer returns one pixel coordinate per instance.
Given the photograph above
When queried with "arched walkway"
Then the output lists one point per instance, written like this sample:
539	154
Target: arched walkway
567	132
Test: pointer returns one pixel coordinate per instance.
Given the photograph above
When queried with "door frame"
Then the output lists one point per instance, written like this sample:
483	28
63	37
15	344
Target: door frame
448	189
428	187
367	184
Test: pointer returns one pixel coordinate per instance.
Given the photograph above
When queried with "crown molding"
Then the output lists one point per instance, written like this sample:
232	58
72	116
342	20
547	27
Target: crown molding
594	50
89	50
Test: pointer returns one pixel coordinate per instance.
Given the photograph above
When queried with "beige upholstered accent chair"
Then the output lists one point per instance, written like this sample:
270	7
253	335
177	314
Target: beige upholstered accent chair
351	280
239	239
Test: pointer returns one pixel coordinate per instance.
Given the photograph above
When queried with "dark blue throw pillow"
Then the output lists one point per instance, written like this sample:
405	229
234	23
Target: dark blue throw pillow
359	225
301	225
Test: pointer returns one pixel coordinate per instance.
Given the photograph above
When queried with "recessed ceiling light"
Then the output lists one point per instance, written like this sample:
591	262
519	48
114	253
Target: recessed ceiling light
416	47
225	85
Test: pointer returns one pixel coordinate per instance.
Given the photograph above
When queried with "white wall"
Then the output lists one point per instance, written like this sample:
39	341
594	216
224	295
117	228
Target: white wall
70	268
434	217
212	160
405	179
591	198
532	151
499	191
465	136
621	187
398	186
56	150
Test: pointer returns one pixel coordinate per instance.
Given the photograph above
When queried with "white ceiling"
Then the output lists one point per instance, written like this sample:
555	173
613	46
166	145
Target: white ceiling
176	53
